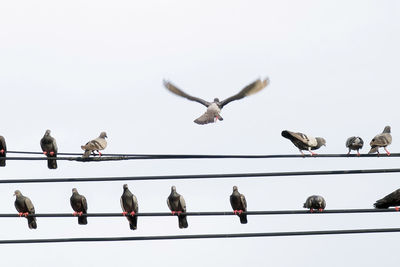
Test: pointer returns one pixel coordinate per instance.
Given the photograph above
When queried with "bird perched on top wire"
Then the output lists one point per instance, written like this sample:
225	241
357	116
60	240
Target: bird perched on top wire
214	108
315	202
381	140
354	143
50	149
304	142
97	144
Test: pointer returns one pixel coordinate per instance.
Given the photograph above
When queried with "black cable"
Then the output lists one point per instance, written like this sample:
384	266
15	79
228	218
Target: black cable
196	176
202	236
209	213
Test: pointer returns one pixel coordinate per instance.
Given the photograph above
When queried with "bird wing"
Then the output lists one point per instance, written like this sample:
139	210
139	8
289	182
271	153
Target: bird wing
135	203
84	203
250	89
380	140
121	201
182	203
172	88
29	205
243	201
169	204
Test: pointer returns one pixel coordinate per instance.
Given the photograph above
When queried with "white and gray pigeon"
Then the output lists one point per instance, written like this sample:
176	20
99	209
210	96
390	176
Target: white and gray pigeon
79	205
239	204
214	108
50	149
315	202
176	203
381	140
391	200
130	207
3	151
25	207
303	141
97	144
354	143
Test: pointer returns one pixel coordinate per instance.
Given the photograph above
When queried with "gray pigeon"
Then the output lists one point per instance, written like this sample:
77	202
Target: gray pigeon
130	207
381	140
25	207
391	200
304	142
97	144
79	205
49	148
214	108
315	202
177	205
354	143
3	151
239	204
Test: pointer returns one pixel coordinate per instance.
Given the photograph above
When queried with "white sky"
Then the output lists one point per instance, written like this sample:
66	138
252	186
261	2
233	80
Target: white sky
81	67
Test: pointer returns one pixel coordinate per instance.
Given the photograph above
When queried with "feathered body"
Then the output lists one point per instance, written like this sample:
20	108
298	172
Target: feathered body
238	203
176	203
129	204
50	149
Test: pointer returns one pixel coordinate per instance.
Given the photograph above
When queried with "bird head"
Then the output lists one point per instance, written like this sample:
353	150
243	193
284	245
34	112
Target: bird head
173	188
47	133
235	188
216	100
103	135
17	193
125	186
387	129
74	190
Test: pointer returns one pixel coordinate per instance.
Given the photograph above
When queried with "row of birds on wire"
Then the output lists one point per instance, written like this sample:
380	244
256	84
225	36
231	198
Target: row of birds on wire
300	140
176	204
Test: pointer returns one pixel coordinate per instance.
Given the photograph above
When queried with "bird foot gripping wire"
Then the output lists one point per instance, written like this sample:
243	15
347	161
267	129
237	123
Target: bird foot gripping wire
20	214
238	212
176	212
77	213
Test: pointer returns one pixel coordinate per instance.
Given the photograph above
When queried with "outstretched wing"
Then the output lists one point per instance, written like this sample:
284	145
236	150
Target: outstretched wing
250	89
172	88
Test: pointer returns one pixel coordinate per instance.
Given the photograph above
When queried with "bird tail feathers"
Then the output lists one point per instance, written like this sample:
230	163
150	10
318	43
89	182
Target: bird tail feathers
183	222
82	220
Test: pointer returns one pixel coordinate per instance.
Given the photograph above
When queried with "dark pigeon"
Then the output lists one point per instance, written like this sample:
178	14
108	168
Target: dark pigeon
304	142
25	207
130	207
239	204
79	205
49	148
381	140
354	143
214	108
3	151
315	202
391	200
177	205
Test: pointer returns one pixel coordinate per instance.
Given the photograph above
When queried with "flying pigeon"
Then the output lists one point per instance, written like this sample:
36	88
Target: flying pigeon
239	204
393	199
214	108
3	151
315	202
49	148
304	142
97	144
129	205
354	143
25	207
177	205
381	140
79	205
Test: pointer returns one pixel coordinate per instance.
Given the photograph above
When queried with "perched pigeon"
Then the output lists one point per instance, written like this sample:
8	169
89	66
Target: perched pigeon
214	108
391	200
49	148
79	205
3	151
315	202
381	140
25	207
97	144
239	204
304	142
177	205
129	205
354	143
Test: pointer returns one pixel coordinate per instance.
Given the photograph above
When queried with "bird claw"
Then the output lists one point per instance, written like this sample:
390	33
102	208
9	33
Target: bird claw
311	210
45	153
133	213
173	212
20	214
240	212
320	210
2	151
51	153
397	208
26	214
124	213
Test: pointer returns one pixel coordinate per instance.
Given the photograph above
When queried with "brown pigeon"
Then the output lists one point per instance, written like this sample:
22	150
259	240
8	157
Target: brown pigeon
239	204
25	207
304	142
381	140
97	144
130	207
79	205
177	205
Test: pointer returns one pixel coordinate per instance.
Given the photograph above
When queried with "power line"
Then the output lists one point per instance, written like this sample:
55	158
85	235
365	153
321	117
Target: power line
201	236
196	176
208	213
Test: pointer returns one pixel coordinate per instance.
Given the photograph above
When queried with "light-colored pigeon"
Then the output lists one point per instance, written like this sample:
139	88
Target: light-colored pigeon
304	142
97	144
79	205
177	205
315	202
214	108
381	140
391	200
25	207
239	204
3	151
354	143
130	207
50	149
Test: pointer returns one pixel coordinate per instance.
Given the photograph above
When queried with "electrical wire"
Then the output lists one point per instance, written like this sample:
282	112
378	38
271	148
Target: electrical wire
201	236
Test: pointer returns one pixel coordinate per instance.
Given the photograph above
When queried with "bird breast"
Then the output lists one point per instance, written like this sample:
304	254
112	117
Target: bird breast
214	108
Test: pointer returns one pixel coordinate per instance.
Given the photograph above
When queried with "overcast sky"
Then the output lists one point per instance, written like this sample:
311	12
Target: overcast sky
82	67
